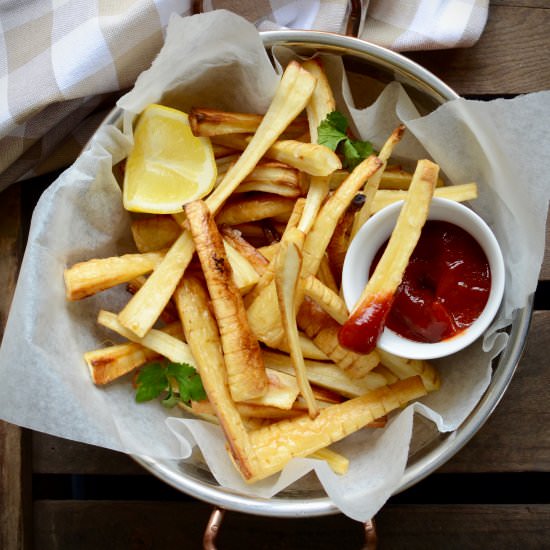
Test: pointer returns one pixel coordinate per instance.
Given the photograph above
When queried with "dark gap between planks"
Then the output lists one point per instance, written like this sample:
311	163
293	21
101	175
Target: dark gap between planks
486	488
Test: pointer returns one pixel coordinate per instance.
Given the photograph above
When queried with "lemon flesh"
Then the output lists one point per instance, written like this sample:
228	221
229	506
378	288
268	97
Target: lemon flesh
168	165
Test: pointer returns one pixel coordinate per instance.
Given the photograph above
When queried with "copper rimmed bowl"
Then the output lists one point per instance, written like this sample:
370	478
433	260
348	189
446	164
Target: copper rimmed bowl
365	64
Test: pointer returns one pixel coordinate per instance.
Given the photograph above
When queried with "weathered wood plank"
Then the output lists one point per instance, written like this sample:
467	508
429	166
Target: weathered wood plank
463	527
509	58
13	468
54	455
112	525
516	437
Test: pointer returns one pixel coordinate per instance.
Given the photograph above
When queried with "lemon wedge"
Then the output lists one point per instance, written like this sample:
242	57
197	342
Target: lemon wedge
168	165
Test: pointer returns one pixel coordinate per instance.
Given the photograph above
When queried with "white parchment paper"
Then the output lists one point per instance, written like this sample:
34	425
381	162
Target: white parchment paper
45	385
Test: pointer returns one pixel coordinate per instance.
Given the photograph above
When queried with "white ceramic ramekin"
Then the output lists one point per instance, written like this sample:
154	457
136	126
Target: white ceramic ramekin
376	231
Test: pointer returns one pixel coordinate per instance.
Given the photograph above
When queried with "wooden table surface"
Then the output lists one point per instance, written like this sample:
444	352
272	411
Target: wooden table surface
57	494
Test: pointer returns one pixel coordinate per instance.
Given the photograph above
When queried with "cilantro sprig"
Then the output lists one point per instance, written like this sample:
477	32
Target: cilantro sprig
332	133
159	379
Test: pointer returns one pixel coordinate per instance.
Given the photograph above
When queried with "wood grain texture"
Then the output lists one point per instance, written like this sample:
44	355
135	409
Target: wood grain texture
511	57
54	455
464	527
90	525
516	437
13	468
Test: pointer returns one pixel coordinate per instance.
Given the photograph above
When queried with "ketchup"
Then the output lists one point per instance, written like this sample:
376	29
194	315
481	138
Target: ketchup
444	289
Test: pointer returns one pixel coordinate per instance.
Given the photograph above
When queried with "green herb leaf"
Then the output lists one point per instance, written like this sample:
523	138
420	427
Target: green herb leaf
188	380
151	382
156	379
332	133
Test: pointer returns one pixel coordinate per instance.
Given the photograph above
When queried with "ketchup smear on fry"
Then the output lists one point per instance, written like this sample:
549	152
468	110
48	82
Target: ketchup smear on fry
444	290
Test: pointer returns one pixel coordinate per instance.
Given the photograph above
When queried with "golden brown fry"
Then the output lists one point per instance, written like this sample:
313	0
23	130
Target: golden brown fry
163	343
360	333
254	208
248	410
371	187
311	158
212	122
287	273
338	245
321	102
324	274
84	279
338	463
329	300
460	193
404	368
320	234
155	233
169	314
327	375
272	177
394	177
234	237
108	364
316	194
245	369
282	391
202	334
290	98
323	330
277	444
143	310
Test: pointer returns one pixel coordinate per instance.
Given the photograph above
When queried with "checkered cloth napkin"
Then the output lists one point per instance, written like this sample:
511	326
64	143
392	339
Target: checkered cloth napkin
63	63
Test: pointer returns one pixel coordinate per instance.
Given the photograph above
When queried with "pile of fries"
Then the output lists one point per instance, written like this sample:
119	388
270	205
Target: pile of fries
244	285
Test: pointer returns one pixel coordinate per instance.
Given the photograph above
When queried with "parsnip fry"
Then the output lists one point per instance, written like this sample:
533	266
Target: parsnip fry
371	187
404	368
277	444
108	364
246	373
202	334
253	208
316	194
337	462
243	273
460	193
212	122
287	273
323	330
327	375
291	96
311	158
84	279
320	234
248	410
234	237
164	344
321	102
142	311
281	393
326	298
361	331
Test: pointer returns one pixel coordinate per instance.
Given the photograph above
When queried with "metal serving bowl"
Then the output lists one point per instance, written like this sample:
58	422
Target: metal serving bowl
365	63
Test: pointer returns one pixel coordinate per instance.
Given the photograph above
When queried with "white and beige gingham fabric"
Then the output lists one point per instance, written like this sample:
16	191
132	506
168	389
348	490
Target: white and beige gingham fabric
63	63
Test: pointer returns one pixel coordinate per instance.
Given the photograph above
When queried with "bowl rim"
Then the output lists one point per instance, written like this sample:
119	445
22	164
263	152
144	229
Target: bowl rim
443	448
